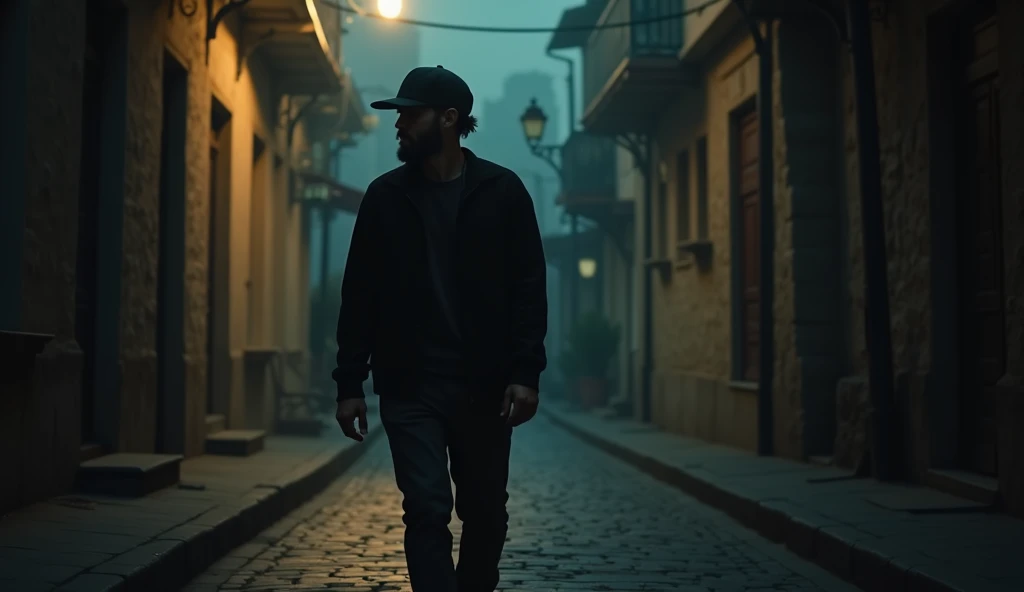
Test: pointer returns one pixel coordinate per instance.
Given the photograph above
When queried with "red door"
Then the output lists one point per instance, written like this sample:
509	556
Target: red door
982	322
750	246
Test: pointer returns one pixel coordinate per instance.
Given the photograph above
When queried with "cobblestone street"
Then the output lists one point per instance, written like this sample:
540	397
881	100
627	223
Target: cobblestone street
580	520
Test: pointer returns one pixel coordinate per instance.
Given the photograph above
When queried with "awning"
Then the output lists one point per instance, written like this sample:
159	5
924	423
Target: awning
579	16
339	116
317	189
288	37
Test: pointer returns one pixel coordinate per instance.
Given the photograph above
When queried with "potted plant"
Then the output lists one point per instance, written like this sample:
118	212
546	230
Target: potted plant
593	342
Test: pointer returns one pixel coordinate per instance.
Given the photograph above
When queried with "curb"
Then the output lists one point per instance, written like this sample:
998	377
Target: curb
835	549
171	560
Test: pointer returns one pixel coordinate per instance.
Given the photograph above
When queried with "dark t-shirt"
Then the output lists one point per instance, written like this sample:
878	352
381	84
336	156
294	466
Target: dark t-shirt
441	338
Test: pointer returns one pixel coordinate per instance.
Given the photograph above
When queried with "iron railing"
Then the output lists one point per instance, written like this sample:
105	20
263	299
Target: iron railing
607	48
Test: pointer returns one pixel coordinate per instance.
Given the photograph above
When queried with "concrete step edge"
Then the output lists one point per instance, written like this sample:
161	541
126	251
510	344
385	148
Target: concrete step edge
174	562
852	560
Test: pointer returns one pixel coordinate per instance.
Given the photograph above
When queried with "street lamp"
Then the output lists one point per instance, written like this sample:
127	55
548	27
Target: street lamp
534	120
389	9
588	267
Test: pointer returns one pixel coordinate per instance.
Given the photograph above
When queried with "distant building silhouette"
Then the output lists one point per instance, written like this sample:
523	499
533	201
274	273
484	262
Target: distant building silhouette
500	138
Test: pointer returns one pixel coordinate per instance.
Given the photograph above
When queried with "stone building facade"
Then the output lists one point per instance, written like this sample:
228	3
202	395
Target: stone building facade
163	251
950	98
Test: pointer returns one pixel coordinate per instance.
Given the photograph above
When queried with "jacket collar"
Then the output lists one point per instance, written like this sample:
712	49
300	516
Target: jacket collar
478	170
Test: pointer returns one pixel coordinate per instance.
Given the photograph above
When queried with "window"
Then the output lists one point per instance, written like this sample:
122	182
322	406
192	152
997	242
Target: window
661	221
702	188
683	196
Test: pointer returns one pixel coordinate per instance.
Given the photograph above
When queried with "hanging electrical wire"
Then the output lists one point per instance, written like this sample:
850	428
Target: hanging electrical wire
481	29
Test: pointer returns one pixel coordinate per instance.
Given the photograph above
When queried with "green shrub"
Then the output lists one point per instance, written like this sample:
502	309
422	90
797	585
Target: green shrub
593	341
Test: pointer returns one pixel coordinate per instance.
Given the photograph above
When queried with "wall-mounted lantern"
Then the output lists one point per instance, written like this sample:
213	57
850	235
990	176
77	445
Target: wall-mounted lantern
587	267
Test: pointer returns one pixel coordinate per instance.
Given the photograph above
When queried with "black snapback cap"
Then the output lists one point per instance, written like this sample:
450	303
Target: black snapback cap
431	87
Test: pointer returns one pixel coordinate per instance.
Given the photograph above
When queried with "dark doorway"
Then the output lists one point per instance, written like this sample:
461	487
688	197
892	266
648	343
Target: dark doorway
217	249
980	236
748	245
100	211
170	429
14	25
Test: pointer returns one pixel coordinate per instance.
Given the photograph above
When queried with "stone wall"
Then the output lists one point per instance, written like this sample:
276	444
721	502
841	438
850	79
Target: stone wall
693	393
912	115
901	70
41	420
809	312
49	397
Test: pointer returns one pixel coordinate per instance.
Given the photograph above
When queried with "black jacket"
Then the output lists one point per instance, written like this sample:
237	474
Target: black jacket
501	285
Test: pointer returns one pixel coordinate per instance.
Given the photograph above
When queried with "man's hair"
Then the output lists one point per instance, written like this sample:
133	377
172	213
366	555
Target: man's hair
465	125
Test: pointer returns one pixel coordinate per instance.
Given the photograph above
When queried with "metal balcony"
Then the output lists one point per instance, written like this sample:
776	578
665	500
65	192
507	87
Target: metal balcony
590	181
630	73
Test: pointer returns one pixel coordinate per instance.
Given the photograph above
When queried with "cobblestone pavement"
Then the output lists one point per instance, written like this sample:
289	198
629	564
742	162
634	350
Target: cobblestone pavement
581	520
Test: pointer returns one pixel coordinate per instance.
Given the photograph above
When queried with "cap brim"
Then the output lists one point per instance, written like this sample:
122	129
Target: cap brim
396	103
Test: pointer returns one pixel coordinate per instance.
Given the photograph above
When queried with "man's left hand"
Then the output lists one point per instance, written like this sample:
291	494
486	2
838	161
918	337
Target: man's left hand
520	404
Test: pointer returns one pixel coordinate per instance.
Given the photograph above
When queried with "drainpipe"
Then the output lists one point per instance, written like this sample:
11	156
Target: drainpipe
763	42
571	81
574	282
877	319
646	378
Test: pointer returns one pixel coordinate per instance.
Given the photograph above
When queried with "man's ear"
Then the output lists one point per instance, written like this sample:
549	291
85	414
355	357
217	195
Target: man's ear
450	117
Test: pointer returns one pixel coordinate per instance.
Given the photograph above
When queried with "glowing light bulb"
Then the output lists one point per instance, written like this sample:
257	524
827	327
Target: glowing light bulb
389	8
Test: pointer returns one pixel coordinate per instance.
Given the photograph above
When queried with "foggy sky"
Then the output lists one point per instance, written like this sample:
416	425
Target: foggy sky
484	60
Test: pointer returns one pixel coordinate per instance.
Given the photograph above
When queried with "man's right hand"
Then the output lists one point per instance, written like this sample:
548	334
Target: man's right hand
348	411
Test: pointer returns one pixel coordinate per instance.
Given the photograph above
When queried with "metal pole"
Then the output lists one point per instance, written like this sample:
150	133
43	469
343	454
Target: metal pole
571	81
876	322
325	249
574	282
542	206
766	336
648	295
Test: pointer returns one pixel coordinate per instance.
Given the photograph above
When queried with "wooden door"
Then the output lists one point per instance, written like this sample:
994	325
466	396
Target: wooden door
749	243
982	322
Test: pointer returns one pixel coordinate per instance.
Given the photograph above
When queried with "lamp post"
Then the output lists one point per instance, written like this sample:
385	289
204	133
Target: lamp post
534	121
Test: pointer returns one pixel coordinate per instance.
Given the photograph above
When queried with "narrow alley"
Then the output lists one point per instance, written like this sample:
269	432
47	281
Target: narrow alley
580	520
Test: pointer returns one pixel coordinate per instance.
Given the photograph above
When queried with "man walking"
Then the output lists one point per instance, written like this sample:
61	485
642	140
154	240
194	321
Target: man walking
444	296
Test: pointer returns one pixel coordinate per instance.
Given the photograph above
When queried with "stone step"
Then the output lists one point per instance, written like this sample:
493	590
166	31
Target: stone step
979	488
215	422
820	460
235	442
128	474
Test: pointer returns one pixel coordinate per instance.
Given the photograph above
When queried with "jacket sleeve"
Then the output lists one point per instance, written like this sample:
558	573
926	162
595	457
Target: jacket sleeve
358	313
529	299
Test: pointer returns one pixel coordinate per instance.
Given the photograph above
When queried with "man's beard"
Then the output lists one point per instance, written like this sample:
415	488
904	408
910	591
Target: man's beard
419	149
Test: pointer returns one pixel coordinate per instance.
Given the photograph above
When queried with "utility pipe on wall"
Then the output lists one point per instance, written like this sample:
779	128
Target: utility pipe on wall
877	321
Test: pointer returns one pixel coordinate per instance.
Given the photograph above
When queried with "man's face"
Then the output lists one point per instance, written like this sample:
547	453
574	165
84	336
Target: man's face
419	134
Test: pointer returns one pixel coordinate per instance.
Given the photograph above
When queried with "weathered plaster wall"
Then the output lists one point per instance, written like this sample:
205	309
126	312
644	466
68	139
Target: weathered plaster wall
693	393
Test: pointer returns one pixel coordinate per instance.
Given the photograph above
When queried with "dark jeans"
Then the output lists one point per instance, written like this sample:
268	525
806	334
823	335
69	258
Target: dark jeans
444	420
